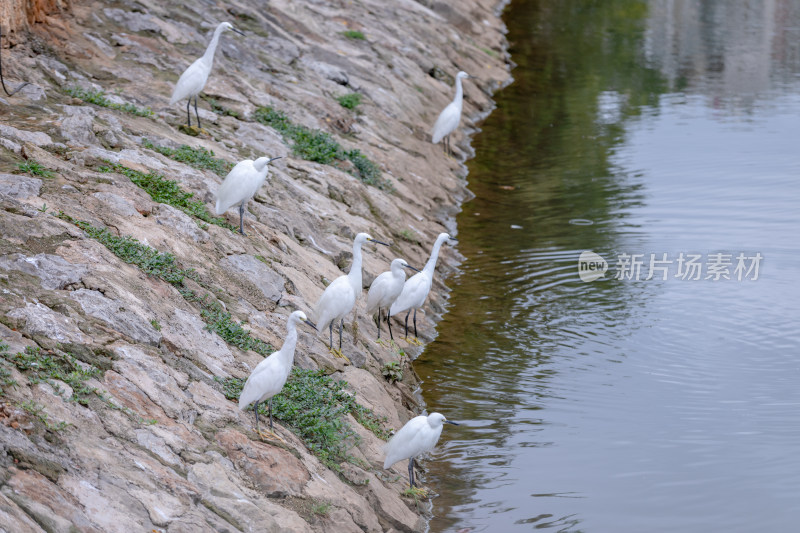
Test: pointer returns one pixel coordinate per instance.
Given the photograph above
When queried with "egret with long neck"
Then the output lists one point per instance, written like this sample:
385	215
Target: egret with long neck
270	375
241	184
194	78
340	297
450	116
384	291
415	291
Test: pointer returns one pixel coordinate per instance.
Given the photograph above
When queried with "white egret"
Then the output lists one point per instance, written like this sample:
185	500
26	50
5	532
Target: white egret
417	436
416	289
385	290
269	376
340	296
194	78
241	184
451	115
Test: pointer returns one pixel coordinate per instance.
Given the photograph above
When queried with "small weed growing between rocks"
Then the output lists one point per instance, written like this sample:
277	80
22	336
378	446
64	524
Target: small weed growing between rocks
37	411
99	98
320	147
219	109
321	508
407	235
315	406
169	192
354	34
155	324
34	168
349	101
392	371
150	260
196	157
43	367
220	322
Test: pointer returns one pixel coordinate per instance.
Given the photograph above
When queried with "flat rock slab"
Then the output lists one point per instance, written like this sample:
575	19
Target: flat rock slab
54	271
259	274
17	186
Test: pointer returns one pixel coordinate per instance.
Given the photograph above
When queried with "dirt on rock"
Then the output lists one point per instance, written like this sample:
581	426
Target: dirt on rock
128	309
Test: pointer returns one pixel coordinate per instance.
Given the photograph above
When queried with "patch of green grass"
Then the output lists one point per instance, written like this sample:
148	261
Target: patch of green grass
354	34
349	101
321	508
99	98
392	371
408	235
169	192
196	157
156	325
219	109
34	168
315	407
43	367
221	322
489	51
150	260
320	147
37	411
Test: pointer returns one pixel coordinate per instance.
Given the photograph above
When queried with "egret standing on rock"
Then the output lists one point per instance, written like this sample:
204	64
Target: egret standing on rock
451	115
416	289
241	184
385	290
269	376
194	78
340	296
419	435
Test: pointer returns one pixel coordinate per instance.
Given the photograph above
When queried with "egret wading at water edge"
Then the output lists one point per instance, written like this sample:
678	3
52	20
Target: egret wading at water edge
241	184
195	76
269	376
340	296
384	291
419	435
415	291
450	117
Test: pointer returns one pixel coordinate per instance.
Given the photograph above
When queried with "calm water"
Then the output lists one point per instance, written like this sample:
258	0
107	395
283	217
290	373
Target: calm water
664	127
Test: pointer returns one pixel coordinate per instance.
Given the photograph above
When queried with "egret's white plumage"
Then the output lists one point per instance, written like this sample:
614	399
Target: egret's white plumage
416	289
419	435
340	296
195	76
241	184
269	376
451	115
385	289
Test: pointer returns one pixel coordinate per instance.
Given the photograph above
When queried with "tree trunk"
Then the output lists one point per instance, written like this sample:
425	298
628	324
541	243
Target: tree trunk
17	16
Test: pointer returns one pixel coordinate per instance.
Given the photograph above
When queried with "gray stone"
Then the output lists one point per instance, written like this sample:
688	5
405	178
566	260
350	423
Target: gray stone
114	314
79	129
174	219
54	271
267	280
41	320
17	186
35	137
118	204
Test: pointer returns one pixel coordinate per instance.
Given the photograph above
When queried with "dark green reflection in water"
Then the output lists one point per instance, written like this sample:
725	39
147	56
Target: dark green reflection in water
543	172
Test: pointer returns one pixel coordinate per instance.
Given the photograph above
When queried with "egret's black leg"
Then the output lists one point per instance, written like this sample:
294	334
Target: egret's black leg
330	328
379	323
415	323
197	114
389	322
188	113
241	218
409	312
411	472
341	328
270	413
255	409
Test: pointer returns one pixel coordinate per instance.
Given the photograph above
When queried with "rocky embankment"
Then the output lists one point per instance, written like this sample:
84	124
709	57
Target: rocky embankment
130	313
